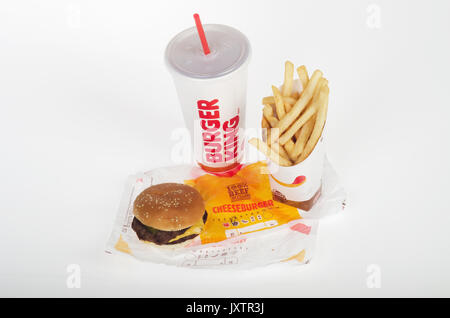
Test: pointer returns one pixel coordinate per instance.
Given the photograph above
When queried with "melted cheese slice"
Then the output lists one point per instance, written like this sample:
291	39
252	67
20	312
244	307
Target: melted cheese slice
194	229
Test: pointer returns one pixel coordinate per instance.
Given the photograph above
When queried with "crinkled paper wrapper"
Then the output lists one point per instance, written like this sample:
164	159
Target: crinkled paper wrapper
291	243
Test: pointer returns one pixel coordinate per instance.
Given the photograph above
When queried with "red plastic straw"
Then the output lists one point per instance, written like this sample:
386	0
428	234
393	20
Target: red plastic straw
201	34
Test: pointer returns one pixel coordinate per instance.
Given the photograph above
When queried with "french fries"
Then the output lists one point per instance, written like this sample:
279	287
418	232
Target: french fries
302	136
280	150
317	131
279	103
271	100
265	123
287	107
294	120
303	75
267	151
268	115
301	103
288	78
308	113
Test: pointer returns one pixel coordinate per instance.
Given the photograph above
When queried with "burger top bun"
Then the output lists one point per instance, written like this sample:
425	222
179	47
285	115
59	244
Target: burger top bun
169	206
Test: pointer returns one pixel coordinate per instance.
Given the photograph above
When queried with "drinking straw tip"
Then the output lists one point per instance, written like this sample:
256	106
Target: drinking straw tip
201	34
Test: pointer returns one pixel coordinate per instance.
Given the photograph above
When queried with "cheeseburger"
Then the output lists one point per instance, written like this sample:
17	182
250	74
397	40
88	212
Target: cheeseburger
168	214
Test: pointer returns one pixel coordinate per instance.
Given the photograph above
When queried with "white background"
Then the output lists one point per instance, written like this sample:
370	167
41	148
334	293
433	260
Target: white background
86	100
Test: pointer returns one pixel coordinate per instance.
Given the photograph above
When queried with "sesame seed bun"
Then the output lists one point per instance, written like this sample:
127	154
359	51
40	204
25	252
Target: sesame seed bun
169	206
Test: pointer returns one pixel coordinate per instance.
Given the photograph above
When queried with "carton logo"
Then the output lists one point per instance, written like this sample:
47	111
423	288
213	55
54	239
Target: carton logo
298	181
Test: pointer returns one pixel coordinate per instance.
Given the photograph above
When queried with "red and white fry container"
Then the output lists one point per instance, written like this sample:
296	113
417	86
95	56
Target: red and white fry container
299	185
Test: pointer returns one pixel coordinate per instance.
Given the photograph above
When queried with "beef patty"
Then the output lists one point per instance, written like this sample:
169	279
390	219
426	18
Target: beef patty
160	237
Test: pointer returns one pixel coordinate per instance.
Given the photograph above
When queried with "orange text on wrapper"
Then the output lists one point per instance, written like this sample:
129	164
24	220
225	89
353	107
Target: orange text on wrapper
209	114
245	207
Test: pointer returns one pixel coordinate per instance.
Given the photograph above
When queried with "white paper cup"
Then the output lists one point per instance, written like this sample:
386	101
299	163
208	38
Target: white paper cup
212	90
299	185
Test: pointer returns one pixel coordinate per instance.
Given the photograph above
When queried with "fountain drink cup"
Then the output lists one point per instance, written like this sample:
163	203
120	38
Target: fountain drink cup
212	90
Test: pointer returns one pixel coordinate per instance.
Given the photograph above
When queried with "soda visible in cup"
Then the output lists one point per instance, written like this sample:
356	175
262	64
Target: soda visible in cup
212	90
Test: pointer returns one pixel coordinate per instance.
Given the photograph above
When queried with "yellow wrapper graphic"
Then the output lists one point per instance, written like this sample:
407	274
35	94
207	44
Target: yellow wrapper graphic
240	204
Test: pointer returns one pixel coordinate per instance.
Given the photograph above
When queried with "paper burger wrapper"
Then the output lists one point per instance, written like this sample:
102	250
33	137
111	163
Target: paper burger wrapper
299	185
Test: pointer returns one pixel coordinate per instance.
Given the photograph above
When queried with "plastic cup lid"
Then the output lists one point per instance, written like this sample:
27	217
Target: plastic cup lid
230	49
